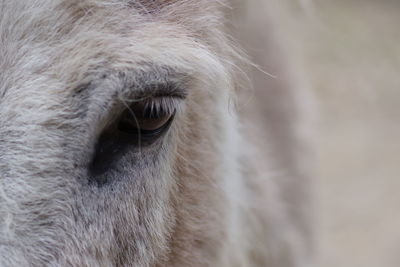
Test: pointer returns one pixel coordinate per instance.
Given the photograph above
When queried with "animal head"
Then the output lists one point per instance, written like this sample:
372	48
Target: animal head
116	140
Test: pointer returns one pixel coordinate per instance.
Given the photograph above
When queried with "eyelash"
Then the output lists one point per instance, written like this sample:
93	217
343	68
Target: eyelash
160	106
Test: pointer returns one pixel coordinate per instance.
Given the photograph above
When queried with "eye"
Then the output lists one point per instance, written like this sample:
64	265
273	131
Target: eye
147	120
141	124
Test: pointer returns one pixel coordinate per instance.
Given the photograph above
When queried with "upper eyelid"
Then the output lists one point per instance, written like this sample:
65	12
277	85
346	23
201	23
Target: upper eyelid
165	89
119	88
165	96
155	81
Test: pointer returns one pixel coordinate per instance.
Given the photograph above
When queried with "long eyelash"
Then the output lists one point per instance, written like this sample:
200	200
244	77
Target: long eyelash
161	106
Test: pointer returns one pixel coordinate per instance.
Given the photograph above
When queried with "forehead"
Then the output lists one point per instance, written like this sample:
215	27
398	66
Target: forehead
52	20
67	39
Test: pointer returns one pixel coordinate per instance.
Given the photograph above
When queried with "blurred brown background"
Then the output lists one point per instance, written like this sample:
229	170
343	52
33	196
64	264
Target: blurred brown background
350	53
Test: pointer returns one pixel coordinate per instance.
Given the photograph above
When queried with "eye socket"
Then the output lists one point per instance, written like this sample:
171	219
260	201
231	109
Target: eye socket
146	119
141	124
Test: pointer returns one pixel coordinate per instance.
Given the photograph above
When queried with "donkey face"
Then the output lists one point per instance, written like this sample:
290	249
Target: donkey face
115	135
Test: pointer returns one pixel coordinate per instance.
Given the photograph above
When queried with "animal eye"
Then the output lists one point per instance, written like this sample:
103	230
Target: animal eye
145	120
141	124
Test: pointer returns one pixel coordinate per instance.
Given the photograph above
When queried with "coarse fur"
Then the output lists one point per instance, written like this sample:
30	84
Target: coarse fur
202	195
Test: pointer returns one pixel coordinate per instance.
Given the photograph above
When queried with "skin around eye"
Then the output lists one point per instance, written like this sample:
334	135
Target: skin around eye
139	126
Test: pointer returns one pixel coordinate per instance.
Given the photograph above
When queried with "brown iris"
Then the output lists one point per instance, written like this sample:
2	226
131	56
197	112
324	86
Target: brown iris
142	119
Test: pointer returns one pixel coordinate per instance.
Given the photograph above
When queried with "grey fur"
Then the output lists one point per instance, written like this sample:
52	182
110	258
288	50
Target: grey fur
68	68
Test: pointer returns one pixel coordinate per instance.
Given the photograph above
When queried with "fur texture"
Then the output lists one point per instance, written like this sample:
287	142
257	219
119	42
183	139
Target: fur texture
200	196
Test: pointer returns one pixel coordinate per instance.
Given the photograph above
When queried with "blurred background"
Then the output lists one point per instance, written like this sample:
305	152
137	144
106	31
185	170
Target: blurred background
350	52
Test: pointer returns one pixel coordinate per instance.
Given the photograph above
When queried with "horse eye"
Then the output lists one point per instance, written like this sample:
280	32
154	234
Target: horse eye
145	119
